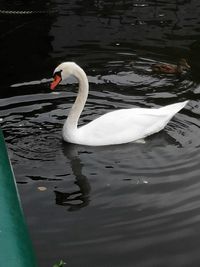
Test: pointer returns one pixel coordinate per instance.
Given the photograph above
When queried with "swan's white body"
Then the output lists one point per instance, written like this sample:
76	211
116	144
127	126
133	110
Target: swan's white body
116	127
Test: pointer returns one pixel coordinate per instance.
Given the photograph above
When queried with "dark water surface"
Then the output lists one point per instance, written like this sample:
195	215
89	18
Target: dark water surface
117	206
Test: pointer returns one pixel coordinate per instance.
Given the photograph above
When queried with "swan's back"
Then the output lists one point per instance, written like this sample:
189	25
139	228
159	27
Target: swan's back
124	125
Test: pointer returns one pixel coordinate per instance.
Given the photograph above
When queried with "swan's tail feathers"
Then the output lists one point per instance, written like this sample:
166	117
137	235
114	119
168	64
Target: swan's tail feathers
174	108
166	113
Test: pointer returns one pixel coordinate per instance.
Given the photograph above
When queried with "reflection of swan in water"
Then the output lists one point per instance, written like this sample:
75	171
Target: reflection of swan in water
79	198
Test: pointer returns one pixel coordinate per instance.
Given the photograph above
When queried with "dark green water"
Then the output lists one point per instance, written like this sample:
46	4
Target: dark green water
133	205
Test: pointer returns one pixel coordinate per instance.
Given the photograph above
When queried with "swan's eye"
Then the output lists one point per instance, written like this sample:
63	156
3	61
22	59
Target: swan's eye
58	73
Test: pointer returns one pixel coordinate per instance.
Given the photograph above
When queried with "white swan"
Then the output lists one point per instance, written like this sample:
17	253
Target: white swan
116	127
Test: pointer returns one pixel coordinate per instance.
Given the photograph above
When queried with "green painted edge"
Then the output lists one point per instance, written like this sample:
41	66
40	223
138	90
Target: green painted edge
16	248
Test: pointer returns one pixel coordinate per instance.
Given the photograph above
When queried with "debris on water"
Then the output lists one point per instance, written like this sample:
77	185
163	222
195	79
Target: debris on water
60	264
55	93
42	188
142	180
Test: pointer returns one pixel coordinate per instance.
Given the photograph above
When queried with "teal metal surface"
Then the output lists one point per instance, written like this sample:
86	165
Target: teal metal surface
15	245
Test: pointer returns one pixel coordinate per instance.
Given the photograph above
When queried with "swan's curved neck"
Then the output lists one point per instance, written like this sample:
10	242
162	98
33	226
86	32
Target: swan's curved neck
72	121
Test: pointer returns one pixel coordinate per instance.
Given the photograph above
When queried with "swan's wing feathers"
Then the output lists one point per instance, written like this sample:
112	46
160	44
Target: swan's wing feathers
127	125
124	125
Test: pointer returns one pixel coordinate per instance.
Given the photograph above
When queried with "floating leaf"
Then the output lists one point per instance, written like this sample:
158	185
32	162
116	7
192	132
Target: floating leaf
60	264
42	188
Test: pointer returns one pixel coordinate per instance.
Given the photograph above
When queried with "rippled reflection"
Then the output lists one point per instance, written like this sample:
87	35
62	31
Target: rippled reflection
78	198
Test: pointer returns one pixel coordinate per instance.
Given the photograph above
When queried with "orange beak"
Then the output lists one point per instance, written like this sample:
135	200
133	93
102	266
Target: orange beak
56	81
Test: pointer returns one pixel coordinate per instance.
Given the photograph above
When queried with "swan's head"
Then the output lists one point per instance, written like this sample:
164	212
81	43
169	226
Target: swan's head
62	72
